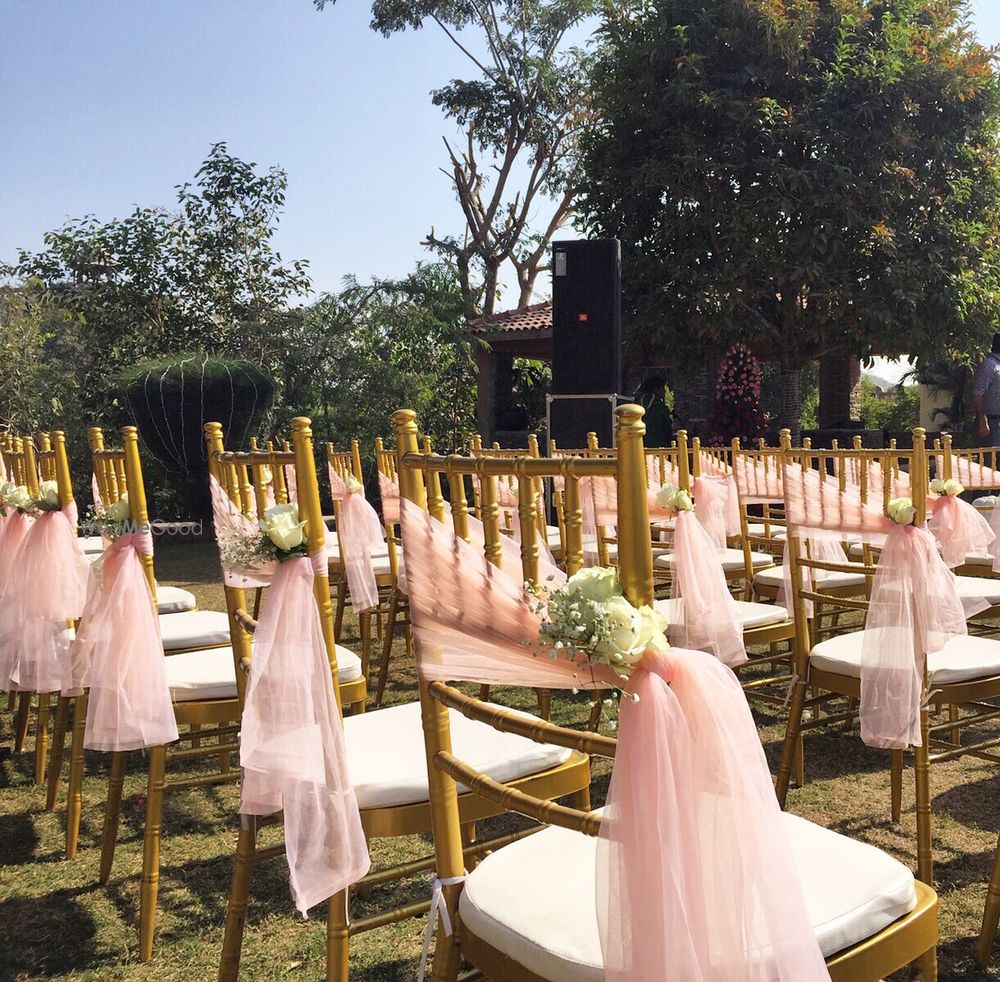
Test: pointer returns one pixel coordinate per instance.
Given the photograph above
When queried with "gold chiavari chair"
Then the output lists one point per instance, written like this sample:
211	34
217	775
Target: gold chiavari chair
386	762
962	677
202	678
512	917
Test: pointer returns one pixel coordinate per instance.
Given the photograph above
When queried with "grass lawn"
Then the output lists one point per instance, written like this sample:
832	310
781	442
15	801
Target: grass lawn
56	922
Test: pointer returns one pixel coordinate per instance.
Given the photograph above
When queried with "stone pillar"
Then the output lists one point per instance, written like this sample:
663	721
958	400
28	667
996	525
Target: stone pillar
485	393
839	375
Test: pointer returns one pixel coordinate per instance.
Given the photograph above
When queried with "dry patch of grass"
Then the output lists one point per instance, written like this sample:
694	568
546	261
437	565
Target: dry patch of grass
56	922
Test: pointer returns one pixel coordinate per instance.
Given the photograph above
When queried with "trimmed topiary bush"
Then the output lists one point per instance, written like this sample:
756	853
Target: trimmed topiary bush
172	398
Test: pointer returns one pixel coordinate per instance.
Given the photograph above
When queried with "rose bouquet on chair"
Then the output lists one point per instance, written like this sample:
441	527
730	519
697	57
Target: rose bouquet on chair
277	538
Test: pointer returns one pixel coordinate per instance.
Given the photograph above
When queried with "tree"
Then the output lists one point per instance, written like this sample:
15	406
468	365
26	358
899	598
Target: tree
205	277
376	347
805	177
526	104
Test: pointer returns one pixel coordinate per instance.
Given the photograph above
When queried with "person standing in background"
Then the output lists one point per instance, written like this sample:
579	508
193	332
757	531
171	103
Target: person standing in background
986	396
659	422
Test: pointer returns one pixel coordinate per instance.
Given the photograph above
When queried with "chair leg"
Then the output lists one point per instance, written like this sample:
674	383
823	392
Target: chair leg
338	939
927	967
793	734
56	753
42	736
596	705
11	701
991	913
74	788
239	897
338	618
390	629
365	630
21	721
921	768
896	783
544	703
112	815
151	851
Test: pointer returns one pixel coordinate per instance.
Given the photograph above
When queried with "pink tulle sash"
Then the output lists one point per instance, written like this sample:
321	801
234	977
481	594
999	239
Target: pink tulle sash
695	878
118	655
292	742
46	591
756	482
710	506
389	493
813	502
710	619
971	474
361	533
959	529
914	609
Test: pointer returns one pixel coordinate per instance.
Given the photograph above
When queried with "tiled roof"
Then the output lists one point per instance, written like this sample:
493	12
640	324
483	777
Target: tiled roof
536	317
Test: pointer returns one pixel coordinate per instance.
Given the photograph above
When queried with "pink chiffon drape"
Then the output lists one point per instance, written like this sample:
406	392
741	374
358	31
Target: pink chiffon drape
709	616
361	534
973	475
292	742
710	506
959	529
118	654
389	493
695	878
756	481
914	609
47	591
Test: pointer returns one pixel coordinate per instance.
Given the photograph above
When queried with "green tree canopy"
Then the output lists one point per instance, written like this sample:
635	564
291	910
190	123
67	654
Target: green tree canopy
803	176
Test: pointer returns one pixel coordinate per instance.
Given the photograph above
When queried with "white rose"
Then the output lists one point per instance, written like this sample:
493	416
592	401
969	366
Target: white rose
654	627
353	485
683	501
118	511
19	497
629	633
952	487
597	583
666	497
266	476
901	511
282	526
6	488
937	486
48	494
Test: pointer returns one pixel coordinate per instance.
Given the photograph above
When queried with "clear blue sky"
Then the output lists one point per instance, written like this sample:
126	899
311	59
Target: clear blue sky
106	104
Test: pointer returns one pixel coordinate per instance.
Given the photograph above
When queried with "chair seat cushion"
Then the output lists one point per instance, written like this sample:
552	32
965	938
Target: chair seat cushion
772	531
211	673
751	614
194	629
986	587
197	675
732	560
772	578
333	549
174	600
961	659
534	900
385	754
91	544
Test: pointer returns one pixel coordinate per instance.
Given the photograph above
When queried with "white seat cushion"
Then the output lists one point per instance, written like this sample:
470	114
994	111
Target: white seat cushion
826	579
751	614
961	659
552	536
732	560
91	544
174	600
760	529
209	674
534	900
194	629
333	549
385	754
979	559
986	587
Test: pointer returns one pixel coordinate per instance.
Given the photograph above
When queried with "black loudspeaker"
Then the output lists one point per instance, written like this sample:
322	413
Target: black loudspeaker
586	317
571	418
